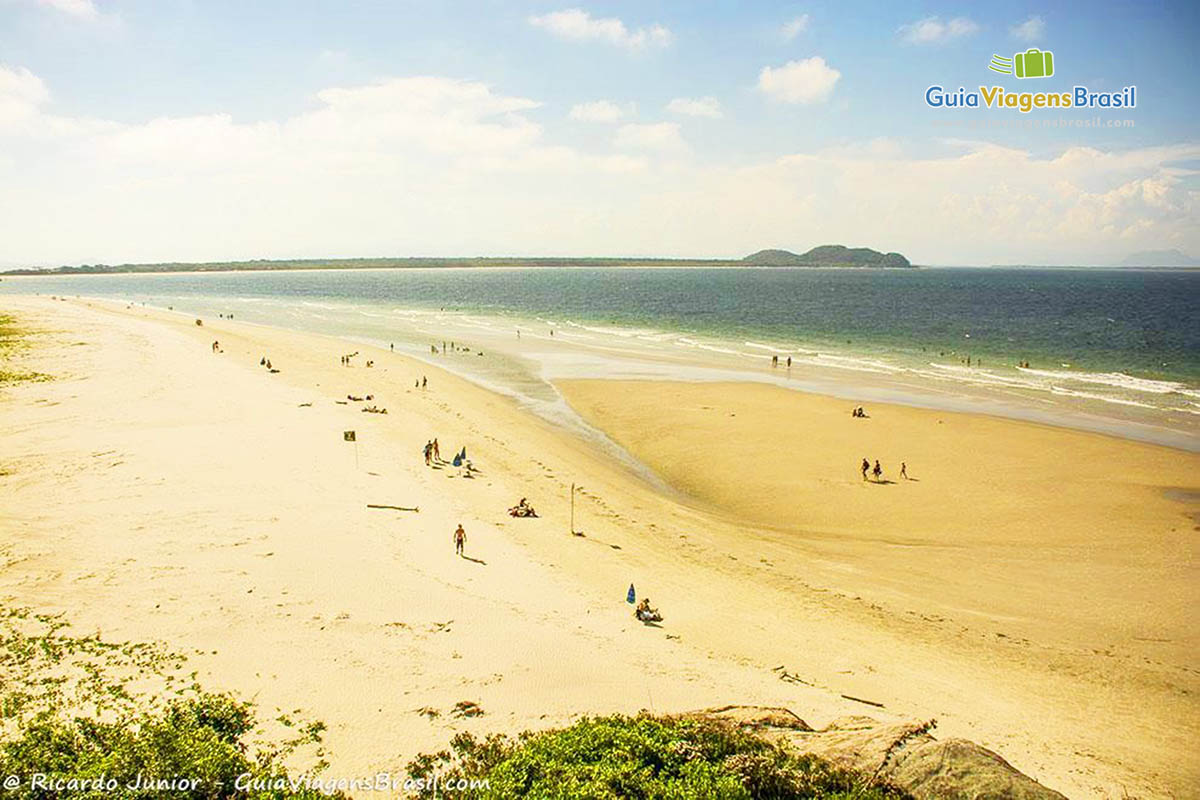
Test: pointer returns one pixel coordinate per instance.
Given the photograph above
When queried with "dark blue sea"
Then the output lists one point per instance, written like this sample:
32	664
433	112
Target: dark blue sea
1104	343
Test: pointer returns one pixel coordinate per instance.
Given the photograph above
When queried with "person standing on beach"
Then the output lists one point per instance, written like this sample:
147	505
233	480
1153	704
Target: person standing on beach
903	470
423	379
878	471
866	466
437	454
789	362
460	539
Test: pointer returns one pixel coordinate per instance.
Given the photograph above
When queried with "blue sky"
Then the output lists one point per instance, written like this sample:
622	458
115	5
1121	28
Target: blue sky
211	130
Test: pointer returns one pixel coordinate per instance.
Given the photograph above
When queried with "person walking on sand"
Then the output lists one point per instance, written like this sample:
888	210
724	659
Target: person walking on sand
423	381
460	539
866	466
878	471
903	470
437	454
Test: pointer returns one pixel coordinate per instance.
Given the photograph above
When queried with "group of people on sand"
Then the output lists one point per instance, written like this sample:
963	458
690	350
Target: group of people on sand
216	346
858	413
432	453
420	382
346	359
645	613
522	509
877	470
454	347
266	362
775	361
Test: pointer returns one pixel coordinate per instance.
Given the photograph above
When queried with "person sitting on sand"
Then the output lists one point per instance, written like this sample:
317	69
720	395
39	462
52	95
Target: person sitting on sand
646	613
522	509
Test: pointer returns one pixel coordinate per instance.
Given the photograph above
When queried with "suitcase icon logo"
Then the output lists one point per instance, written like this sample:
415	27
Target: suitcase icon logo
1033	63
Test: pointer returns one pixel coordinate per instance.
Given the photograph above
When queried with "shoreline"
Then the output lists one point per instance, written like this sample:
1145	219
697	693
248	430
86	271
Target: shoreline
235	517
1062	398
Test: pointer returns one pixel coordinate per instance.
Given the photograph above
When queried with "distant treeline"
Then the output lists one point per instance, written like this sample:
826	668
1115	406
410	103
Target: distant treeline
377	263
833	255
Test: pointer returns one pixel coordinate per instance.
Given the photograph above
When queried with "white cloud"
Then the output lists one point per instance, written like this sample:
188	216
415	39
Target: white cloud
80	9
654	136
794	27
597	111
21	94
1030	30
433	165
575	24
810	80
932	30
696	107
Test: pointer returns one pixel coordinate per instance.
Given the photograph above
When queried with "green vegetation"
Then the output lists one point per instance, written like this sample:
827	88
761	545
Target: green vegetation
377	263
654	758
94	718
824	256
14	340
828	255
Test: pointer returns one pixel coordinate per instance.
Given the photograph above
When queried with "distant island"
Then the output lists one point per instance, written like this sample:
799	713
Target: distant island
1160	258
830	255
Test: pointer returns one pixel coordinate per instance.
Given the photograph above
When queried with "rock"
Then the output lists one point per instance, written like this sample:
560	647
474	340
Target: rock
903	754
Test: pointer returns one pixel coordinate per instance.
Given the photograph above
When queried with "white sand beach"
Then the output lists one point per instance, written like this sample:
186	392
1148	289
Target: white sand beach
1032	589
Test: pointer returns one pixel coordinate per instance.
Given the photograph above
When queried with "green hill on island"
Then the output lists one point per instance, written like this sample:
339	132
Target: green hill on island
827	255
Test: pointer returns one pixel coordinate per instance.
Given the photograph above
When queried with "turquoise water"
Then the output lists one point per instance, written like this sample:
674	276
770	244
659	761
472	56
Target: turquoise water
1108	349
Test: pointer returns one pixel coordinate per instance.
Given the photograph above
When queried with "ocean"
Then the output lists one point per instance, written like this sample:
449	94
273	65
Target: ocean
1116	351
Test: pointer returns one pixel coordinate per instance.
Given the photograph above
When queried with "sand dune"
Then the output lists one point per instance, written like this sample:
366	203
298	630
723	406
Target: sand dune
156	490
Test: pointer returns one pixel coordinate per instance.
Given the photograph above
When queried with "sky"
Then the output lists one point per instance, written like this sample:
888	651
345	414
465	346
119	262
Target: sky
204	130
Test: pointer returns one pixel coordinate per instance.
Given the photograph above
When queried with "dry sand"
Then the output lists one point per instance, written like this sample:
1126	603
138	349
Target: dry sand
1028	590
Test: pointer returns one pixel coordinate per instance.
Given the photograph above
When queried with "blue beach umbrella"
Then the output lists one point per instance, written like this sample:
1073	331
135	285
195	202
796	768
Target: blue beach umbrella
631	597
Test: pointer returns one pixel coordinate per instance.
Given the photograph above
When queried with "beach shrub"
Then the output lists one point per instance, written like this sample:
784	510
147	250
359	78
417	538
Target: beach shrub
13	339
81	717
655	758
